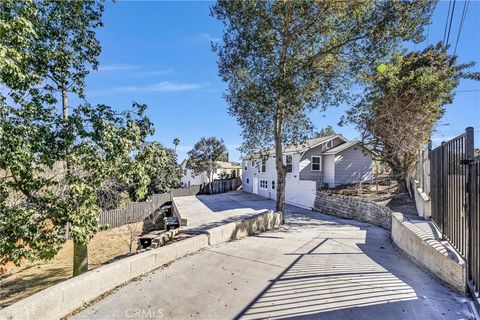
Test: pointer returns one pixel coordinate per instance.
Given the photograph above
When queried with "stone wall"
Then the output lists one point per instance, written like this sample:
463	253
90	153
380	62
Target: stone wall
353	208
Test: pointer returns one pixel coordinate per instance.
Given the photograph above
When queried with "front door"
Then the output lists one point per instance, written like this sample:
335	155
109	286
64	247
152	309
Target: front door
255	185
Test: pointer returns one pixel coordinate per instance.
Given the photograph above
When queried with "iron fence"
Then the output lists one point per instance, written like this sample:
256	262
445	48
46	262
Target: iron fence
448	191
474	224
455	196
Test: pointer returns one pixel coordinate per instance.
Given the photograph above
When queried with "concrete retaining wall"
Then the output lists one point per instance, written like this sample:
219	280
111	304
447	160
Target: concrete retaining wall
353	208
422	201
427	253
239	229
59	300
421	248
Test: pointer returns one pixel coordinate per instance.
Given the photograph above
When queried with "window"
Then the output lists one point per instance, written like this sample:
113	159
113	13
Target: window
316	161
263	184
264	165
233	173
248	181
288	163
273	184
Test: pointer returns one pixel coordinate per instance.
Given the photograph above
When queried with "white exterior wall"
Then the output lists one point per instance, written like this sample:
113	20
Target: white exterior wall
328	163
188	179
300	193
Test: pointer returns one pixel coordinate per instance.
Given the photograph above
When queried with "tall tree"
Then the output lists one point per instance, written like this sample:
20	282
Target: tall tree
204	156
176	142
163	171
52	163
325	132
282	59
67	49
403	100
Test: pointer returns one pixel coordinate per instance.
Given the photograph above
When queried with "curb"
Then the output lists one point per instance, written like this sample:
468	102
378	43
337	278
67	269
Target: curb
61	299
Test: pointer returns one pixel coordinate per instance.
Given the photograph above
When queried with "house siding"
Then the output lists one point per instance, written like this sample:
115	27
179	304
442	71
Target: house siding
328	163
306	172
353	165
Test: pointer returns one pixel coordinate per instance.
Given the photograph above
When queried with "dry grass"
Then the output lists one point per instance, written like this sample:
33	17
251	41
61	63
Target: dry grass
384	193
32	277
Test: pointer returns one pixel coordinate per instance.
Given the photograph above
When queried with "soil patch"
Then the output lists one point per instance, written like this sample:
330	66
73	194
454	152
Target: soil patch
32	277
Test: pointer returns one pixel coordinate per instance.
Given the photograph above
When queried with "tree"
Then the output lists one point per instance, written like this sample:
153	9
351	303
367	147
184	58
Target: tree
163	171
282	59
176	142
38	199
17	36
204	156
325	132
53	164
404	98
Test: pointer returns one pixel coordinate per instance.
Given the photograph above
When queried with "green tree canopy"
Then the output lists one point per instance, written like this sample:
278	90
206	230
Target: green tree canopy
404	98
163	171
204	156
282	59
324	132
53	163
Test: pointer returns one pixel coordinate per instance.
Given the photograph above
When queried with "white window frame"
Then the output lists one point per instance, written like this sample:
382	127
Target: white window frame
291	163
273	184
263	184
319	163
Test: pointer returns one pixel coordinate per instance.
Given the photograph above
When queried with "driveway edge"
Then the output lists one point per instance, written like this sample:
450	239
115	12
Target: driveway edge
61	299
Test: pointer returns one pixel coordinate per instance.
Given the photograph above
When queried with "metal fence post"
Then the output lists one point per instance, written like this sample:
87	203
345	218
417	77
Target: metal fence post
443	186
469	154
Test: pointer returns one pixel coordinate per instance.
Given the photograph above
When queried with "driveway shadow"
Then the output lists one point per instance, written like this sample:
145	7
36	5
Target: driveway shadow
351	271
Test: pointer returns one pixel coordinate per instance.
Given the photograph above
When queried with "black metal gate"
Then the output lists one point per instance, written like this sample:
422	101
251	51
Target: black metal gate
455	197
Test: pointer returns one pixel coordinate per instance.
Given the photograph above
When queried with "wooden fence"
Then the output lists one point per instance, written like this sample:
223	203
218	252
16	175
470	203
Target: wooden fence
138	211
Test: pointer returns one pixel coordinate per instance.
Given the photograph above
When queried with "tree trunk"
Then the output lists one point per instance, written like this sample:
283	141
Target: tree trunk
281	177
80	258
400	177
402	185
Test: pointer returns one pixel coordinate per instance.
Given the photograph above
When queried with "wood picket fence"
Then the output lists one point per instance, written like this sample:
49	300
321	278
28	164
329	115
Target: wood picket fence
138	211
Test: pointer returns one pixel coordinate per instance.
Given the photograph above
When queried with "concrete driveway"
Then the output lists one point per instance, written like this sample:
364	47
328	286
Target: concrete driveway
315	266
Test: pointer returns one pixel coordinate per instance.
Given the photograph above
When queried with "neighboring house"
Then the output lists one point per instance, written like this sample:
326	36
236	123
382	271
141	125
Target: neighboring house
324	162
225	170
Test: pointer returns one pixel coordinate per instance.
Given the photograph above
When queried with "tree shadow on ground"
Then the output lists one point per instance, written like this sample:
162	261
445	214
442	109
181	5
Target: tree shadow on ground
20	287
352	272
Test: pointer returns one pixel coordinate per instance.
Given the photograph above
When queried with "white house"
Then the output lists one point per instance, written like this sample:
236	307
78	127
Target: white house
324	162
224	170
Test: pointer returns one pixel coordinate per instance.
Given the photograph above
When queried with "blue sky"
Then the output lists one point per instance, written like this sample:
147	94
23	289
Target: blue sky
159	53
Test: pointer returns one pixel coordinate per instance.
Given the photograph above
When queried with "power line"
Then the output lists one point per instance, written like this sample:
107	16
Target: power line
446	22
471	90
464	14
451	20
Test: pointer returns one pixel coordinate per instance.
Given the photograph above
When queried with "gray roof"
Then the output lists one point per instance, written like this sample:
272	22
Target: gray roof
308	144
345	146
